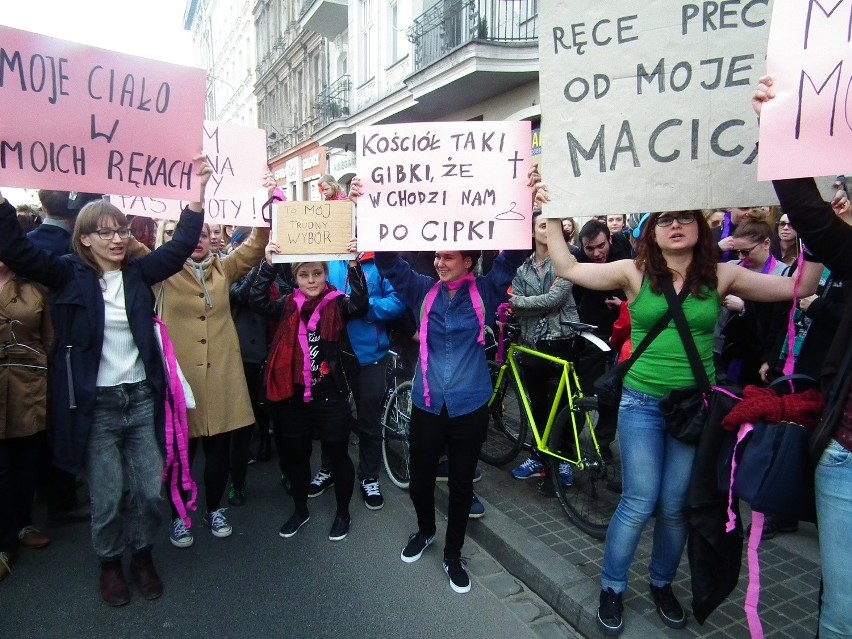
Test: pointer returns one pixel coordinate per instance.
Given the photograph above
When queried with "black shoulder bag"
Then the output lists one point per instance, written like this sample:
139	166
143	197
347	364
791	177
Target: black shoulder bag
608	386
685	409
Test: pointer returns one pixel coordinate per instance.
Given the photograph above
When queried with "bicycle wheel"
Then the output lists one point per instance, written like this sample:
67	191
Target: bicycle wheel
591	499
395	422
507	427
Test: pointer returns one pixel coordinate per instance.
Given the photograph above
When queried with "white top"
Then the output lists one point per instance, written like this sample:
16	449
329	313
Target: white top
120	359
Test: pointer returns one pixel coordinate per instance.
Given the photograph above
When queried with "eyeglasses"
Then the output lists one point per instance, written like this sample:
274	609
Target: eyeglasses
744	253
169	232
784	224
108	234
682	218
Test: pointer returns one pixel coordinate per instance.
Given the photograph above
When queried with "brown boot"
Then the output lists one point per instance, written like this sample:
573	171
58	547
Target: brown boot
145	575
114	588
7	560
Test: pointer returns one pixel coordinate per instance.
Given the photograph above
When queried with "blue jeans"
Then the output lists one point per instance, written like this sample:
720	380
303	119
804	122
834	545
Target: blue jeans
122	447
834	513
655	476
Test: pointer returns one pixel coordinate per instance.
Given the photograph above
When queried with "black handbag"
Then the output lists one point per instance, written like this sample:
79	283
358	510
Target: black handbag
685	409
608	386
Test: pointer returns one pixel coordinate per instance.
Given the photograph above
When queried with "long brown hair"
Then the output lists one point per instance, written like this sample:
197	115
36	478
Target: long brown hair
701	274
88	221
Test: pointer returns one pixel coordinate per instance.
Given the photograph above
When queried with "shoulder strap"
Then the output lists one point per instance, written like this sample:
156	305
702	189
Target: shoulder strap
652	334
675	303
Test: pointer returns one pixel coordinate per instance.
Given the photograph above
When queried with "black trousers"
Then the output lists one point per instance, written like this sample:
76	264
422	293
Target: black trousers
591	364
462	438
369	392
241	438
18	476
217	449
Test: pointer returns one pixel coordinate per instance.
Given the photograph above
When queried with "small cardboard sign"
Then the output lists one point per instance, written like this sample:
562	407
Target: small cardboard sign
313	231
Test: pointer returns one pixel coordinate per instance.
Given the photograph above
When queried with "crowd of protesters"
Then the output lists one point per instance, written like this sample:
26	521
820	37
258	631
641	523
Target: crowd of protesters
284	354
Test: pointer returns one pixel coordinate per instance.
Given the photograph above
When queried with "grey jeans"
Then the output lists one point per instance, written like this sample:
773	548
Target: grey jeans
123	448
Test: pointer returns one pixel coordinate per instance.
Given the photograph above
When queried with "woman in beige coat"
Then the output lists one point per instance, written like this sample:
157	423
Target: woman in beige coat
195	306
25	335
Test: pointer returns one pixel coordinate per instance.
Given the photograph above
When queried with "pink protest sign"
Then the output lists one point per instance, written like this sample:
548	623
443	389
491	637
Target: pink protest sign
807	130
438	185
78	118
234	194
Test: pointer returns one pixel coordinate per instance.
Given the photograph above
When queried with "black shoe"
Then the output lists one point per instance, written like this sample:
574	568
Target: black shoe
417	543
668	607
319	483
340	528
459	581
372	493
610	611
772	526
237	495
293	524
62	516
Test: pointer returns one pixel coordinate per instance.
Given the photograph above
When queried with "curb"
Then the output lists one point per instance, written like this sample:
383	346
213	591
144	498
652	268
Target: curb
563	586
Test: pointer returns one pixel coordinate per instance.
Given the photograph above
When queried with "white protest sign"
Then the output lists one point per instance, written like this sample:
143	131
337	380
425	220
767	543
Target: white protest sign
807	130
234	195
646	106
438	185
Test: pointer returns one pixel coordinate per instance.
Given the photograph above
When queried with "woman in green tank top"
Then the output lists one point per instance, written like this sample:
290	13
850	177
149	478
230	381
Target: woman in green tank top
656	467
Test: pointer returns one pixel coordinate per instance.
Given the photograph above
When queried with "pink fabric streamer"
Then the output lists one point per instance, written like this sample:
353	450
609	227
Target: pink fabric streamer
177	468
310	327
475	300
753	590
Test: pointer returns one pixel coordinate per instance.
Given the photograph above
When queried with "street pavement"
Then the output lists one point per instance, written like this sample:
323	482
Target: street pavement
256	584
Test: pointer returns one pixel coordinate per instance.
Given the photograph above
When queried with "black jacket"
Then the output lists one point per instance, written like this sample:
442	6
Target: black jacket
591	305
830	240
77	307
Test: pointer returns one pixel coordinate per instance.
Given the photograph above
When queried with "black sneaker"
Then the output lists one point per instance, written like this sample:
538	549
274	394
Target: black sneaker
293	524
668	607
319	483
372	493
459	581
340	528
417	543
609	612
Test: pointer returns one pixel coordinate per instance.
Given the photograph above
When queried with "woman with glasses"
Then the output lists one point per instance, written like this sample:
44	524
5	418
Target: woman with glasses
676	247
742	343
195	306
785	242
106	374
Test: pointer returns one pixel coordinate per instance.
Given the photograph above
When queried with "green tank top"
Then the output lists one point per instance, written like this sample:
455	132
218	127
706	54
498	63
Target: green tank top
664	365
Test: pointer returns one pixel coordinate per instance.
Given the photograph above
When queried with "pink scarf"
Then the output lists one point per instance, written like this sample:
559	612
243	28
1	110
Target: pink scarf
177	468
310	327
475	299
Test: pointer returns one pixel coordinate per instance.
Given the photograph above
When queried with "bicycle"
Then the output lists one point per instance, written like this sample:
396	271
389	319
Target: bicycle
396	419
568	436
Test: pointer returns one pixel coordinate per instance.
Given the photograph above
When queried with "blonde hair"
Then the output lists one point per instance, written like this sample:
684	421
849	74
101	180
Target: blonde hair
334	184
295	266
89	221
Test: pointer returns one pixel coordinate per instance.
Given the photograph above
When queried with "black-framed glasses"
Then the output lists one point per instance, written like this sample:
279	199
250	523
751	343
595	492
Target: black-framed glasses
108	234
744	253
168	232
682	218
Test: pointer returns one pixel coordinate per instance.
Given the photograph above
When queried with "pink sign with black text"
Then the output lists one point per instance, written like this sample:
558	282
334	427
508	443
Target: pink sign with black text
79	118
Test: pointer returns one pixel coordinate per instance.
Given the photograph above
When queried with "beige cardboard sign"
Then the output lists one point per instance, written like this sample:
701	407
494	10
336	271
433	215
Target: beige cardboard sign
315	231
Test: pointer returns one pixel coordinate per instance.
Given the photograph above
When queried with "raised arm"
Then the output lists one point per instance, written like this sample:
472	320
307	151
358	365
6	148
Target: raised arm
595	277
756	287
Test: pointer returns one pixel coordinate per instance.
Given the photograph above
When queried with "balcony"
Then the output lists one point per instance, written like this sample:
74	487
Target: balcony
333	102
329	18
452	24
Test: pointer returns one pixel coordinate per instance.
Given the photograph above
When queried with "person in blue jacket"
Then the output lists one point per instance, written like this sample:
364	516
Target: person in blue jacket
451	386
105	374
368	336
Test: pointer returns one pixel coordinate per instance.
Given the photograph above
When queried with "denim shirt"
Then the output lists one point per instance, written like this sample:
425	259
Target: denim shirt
457	367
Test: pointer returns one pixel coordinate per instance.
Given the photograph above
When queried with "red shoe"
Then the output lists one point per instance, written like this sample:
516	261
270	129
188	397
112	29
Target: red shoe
145	576
114	588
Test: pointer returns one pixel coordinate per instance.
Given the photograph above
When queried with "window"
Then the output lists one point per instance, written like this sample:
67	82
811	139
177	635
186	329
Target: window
366	48
393	31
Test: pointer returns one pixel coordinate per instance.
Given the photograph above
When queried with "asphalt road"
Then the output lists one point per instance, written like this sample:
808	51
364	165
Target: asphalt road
256	584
